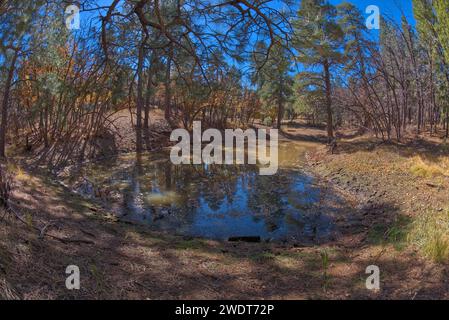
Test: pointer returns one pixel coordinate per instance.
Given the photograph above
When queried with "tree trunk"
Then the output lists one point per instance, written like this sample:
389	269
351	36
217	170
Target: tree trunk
327	78
139	103
280	108
146	120
167	87
447	123
4	123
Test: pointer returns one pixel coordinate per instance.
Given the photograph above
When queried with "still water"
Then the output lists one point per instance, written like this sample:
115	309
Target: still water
211	201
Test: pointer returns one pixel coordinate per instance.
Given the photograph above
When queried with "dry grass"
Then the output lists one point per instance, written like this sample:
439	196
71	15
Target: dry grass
428	169
430	233
17	172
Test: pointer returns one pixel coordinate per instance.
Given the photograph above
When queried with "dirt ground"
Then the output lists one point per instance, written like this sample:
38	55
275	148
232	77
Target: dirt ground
124	122
125	261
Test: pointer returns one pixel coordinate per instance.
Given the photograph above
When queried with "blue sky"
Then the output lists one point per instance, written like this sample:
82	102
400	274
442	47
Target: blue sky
390	8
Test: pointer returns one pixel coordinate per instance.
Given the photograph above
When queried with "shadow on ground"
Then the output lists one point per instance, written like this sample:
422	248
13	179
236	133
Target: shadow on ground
130	262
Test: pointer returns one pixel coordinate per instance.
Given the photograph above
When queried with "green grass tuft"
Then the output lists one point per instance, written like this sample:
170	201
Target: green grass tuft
394	233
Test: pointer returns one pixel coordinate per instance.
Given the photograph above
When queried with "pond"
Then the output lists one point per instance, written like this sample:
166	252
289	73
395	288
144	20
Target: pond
212	201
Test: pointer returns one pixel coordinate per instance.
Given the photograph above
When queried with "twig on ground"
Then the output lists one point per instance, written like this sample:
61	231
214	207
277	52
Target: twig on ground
43	233
44	229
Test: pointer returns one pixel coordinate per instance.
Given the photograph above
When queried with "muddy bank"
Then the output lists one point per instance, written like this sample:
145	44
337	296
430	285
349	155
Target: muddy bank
379	174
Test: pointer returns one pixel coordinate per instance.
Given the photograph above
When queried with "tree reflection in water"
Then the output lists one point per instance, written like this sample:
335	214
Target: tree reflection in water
215	201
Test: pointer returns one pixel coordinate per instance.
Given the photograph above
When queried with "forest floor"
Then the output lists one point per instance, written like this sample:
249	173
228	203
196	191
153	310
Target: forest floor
394	184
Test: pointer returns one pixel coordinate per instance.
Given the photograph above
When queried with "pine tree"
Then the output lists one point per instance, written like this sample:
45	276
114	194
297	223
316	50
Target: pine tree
432	24
442	26
357	52
273	78
320	41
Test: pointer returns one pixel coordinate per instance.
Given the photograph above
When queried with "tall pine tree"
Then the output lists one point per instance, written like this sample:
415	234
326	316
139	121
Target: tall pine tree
273	77
320	42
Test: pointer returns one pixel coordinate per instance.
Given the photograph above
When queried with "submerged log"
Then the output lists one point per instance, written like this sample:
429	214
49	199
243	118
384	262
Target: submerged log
245	239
